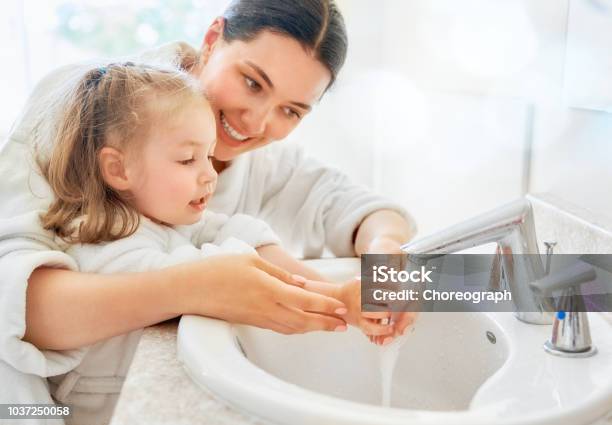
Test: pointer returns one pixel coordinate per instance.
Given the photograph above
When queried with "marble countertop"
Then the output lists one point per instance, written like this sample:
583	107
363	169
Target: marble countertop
157	390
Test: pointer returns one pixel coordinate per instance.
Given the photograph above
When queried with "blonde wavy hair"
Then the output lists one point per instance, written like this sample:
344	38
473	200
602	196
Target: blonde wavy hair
114	105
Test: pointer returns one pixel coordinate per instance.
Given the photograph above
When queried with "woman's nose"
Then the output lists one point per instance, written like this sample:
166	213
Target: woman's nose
255	120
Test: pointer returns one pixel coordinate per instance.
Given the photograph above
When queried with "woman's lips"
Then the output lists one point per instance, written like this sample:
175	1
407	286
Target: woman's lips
231	136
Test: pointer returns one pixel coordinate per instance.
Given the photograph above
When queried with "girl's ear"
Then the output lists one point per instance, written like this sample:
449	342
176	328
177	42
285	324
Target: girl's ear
112	167
212	36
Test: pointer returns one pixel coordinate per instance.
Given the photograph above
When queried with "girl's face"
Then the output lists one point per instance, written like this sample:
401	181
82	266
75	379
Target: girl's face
172	176
259	90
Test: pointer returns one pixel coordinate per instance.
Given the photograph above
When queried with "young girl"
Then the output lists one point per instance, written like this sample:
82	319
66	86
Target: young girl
131	173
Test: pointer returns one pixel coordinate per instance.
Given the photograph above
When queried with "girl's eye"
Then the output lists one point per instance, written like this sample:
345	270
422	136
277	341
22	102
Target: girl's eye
252	84
291	113
187	161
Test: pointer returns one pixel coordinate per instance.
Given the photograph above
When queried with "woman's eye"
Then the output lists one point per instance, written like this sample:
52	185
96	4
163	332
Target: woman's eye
187	161
252	84
291	113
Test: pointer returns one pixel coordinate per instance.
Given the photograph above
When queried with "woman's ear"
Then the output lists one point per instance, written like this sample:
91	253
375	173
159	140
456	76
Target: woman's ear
213	35
112	167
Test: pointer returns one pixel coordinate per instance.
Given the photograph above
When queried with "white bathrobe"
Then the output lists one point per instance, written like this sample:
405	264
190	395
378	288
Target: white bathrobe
310	206
92	388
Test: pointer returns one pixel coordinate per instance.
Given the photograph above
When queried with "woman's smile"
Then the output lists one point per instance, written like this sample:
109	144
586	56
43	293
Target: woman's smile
228	134
231	131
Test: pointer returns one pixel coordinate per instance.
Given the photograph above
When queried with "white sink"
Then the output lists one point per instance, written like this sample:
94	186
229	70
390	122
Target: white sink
454	368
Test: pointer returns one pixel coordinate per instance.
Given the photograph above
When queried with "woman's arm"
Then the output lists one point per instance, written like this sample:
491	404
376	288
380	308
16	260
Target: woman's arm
66	310
314	206
383	232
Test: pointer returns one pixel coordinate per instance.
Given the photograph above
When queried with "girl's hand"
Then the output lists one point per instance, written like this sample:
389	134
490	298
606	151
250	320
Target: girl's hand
350	294
247	289
381	327
400	322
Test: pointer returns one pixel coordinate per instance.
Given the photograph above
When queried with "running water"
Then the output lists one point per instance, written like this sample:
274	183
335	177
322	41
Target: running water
387	359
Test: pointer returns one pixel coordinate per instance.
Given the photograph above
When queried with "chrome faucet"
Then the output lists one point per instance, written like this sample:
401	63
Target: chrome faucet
512	227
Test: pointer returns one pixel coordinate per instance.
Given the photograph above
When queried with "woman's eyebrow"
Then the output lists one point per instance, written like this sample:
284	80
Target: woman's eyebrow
302	105
265	77
261	73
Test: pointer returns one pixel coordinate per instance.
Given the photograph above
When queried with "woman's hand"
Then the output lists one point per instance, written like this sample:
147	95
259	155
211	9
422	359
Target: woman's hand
388	244
247	289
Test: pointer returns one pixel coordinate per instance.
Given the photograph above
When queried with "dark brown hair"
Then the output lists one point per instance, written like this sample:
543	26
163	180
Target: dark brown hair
316	24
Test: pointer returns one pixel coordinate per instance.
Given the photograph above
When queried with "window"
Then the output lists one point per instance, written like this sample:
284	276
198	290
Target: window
37	37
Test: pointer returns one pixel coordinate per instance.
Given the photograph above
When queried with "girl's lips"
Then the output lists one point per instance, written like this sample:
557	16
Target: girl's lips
197	206
200	204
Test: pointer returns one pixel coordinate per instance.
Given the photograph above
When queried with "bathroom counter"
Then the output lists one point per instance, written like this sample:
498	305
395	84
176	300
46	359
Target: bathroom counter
158	391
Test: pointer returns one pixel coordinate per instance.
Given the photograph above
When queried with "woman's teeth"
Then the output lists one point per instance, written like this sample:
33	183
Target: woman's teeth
231	131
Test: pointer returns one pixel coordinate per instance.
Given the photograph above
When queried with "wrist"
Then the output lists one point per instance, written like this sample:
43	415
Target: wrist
177	287
385	244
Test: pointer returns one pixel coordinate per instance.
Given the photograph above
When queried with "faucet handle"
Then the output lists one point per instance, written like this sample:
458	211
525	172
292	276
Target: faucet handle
571	336
550	246
569	277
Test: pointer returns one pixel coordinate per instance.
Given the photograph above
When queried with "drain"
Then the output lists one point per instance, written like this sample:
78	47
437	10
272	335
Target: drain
491	337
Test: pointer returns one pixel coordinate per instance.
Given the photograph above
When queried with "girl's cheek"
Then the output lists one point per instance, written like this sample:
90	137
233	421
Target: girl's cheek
179	181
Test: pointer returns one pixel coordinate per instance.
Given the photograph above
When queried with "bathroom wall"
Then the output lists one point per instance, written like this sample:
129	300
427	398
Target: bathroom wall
450	107
455	107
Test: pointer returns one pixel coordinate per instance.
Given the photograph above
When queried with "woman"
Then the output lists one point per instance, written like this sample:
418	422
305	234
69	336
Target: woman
264	65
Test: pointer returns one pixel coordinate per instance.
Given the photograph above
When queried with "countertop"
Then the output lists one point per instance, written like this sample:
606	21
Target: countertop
158	391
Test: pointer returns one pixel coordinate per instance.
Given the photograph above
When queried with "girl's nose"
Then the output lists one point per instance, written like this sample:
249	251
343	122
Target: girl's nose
207	176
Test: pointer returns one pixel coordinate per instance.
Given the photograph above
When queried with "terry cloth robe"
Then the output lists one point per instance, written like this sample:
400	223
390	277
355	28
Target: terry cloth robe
309	205
92	388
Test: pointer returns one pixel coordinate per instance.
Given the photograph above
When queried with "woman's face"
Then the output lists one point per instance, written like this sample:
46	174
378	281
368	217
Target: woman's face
259	90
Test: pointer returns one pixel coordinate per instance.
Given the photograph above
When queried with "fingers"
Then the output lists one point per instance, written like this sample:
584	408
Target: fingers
375	328
304	300
279	273
403	320
323	288
376	315
280	328
303	321
300	280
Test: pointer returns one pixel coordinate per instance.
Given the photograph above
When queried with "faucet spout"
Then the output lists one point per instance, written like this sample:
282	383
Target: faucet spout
512	227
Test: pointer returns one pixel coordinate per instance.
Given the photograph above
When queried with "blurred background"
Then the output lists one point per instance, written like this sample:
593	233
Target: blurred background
450	107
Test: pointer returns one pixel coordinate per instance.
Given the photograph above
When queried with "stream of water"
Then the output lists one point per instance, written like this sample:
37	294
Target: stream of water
388	355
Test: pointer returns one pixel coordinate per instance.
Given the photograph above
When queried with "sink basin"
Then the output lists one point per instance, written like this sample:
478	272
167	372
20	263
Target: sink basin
454	368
